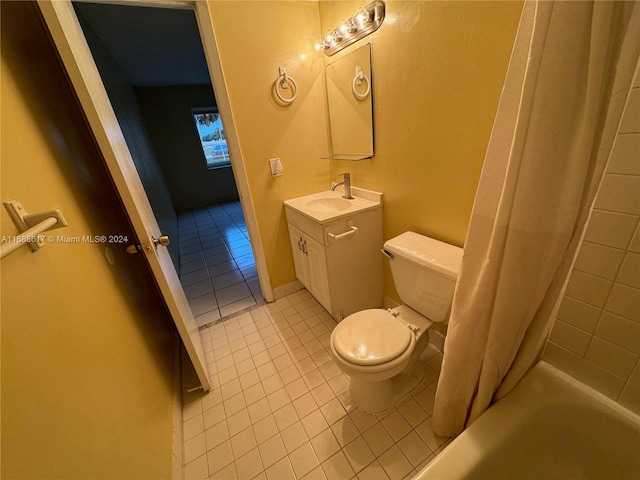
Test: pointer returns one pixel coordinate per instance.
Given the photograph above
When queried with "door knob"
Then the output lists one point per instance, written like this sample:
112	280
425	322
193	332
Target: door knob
161	240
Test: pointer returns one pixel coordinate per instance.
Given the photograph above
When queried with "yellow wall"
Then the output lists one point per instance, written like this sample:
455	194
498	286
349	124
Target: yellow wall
438	68
254	39
87	347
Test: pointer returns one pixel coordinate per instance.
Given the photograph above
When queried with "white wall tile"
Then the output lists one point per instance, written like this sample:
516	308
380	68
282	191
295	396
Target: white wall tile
579	314
631	118
630	271
571	338
599	379
619	193
561	358
614	359
588	288
624	301
634	246
610	228
599	260
630	398
625	156
635	376
619	331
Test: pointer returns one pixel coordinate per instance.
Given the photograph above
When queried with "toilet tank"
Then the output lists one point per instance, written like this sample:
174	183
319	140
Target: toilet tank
424	272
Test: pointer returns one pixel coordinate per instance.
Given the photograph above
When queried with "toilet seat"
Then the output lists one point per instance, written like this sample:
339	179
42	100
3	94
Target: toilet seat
371	337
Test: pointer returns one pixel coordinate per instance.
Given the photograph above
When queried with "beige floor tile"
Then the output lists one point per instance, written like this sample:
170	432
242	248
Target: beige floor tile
337	467
303	460
281	470
280	408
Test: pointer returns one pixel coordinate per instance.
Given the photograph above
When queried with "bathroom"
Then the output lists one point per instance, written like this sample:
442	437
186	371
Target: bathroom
431	136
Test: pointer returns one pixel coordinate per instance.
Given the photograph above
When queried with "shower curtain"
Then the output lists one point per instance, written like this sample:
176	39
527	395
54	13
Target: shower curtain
569	76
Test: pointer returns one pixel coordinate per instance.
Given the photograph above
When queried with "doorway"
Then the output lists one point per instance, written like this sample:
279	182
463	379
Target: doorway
153	67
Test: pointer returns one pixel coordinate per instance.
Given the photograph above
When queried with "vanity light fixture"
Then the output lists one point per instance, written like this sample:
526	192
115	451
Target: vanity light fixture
365	21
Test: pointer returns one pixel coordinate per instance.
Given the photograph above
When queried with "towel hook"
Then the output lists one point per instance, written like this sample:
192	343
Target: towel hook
358	81
31	227
283	82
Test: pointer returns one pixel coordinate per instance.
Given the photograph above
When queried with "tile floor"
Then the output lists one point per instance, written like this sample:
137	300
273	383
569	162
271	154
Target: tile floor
217	268
280	409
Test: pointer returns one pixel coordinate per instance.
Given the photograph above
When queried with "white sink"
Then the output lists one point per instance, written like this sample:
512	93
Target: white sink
327	206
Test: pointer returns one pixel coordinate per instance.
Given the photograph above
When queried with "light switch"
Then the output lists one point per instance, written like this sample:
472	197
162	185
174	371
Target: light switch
276	167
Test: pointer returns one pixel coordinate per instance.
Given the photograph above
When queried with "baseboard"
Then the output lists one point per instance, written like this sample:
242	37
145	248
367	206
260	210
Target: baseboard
287	289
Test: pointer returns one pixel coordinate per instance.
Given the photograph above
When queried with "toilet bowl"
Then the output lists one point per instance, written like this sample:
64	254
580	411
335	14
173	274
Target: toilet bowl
380	349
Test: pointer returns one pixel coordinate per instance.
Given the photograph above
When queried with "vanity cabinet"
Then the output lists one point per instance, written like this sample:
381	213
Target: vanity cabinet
339	261
310	260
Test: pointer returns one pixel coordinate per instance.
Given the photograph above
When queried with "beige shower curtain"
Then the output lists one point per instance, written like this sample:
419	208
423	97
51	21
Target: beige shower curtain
565	90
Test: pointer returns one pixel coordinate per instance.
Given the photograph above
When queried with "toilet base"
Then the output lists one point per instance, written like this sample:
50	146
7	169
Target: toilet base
376	397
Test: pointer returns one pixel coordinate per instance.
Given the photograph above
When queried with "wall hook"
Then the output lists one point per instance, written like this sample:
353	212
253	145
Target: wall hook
30	226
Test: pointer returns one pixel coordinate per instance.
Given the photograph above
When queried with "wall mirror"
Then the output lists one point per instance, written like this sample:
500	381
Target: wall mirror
349	96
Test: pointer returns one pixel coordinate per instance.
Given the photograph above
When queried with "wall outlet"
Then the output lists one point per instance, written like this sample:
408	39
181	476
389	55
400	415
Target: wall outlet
276	167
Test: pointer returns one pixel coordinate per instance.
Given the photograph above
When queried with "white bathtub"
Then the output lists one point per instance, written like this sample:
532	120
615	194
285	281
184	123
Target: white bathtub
548	427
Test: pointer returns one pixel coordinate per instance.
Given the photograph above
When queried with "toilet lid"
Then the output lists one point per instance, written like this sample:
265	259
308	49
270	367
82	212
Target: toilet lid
371	337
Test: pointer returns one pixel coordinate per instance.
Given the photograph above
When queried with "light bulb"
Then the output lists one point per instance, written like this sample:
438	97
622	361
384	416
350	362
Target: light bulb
319	46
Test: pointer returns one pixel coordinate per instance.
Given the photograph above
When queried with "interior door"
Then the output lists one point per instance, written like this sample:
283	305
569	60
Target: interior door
78	61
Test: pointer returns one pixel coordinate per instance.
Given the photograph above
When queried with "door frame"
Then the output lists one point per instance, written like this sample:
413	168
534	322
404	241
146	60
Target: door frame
71	44
204	19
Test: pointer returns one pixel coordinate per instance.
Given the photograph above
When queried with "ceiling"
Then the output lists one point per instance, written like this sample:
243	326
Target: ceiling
153	46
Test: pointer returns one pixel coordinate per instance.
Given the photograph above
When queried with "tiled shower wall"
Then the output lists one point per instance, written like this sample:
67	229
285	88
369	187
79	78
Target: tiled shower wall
596	338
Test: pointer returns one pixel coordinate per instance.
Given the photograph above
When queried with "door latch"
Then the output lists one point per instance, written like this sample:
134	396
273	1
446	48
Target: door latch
162	240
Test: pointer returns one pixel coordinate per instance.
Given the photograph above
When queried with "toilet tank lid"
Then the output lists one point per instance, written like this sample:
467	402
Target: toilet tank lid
428	252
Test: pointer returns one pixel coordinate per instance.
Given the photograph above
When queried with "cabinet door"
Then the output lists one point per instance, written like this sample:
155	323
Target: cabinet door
317	271
297	239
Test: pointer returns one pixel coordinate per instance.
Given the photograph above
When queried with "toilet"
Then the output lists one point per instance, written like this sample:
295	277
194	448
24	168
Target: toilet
380	349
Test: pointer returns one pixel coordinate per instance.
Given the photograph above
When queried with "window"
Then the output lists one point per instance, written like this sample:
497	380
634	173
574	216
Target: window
211	133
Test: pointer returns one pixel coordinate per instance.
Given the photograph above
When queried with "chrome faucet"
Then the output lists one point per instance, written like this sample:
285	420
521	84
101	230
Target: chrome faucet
347	186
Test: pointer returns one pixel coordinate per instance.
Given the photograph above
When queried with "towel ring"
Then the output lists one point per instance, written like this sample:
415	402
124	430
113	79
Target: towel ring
358	80
283	82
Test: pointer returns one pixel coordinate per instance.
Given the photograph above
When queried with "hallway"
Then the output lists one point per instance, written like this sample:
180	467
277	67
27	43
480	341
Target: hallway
217	267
